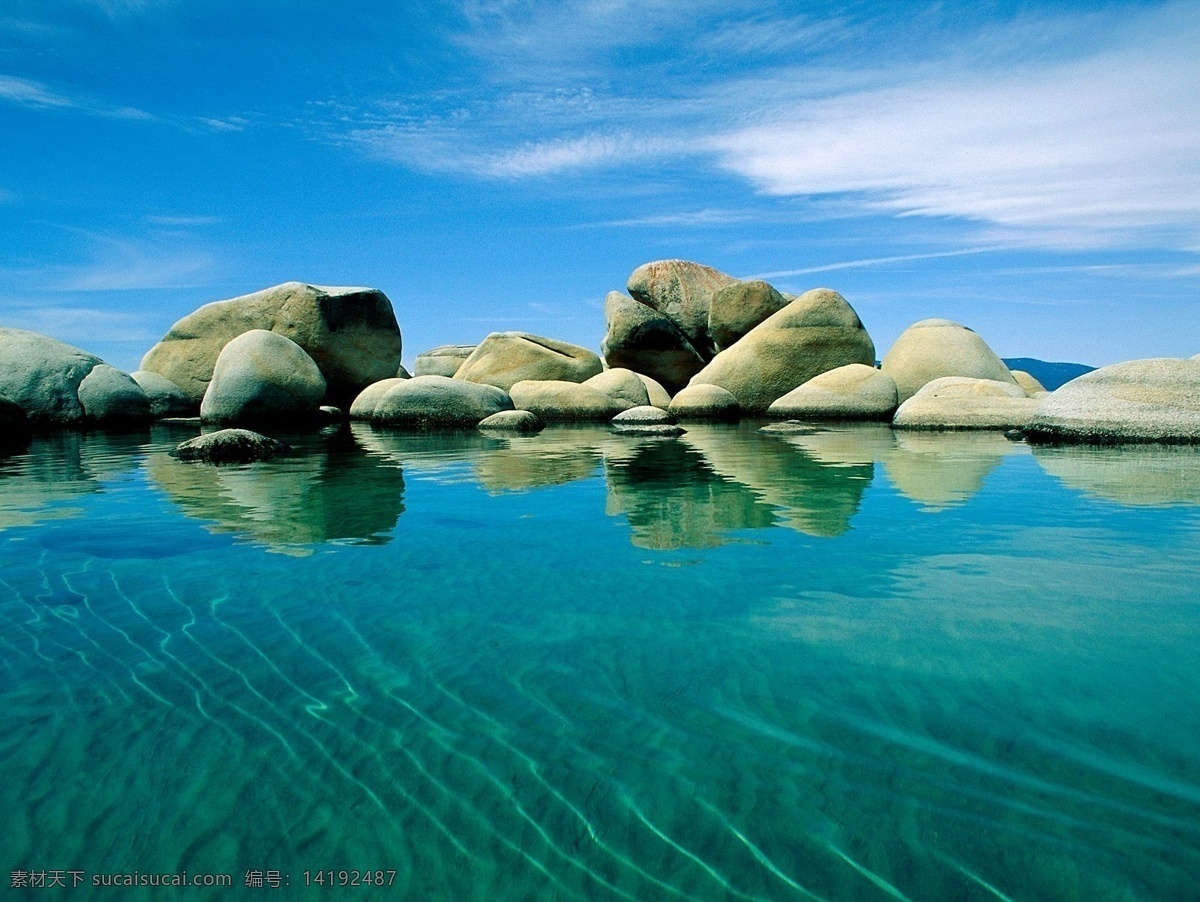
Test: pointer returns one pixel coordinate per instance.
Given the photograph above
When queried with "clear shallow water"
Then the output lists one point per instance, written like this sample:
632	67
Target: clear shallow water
852	665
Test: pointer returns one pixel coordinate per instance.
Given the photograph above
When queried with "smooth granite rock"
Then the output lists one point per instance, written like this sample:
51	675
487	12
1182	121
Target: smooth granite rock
705	402
738	308
817	332
439	401
442	361
350	333
111	396
230	446
683	291
262	376
658	395
505	358
166	398
960	402
648	430
522	421
851	392
43	377
934	348
1152	400
645	415
648	342
621	384
558	400
364	405
1028	383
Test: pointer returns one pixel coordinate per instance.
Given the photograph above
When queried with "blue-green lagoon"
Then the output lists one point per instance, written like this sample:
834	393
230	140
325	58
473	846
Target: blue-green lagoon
855	664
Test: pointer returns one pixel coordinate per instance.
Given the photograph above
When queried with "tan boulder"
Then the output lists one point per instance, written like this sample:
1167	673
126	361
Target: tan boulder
442	361
817	332
657	393
960	402
851	392
1153	400
739	307
934	348
364	405
683	291
506	358
559	400
642	339
350	333
621	384
705	402
1028	383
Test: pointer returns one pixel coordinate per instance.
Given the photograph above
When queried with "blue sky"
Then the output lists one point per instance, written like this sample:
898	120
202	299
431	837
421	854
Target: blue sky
1029	169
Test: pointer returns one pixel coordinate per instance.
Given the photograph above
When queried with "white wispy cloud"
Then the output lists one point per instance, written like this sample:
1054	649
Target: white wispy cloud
877	261
29	93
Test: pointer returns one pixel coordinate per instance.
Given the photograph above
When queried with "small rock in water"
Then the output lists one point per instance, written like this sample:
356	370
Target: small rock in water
790	427
668	430
644	415
230	446
1015	435
512	421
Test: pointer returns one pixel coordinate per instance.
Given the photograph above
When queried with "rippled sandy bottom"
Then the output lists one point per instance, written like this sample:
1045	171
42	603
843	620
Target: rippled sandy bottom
513	697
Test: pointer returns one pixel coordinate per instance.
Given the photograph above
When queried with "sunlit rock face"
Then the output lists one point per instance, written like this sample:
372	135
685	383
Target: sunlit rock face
934	348
350	333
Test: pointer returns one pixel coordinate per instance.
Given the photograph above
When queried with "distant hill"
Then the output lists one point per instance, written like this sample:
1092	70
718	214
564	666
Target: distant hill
1051	375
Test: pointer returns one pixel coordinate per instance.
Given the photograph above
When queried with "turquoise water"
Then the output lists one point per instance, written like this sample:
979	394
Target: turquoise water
848	665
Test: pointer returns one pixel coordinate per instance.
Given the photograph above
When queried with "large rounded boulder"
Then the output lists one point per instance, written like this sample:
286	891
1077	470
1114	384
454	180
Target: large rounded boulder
960	402
438	402
934	348
739	307
262	376
851	392
350	333
683	291
644	340
1153	400
621	384
44	377
818	331
505	358
705	402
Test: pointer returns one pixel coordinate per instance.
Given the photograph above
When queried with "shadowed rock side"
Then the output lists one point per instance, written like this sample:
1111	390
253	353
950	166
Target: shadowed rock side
350	333
817	332
14	427
642	339
738	308
326	491
674	499
166	398
934	348
55	384
683	291
809	496
1150	475
1153	400
506	358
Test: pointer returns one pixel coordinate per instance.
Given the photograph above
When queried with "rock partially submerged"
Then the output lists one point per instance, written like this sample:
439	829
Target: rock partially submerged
522	421
1152	400
350	333
959	402
438	402
14	426
851	392
262	376
705	402
230	446
646	420
558	400
54	383
622	385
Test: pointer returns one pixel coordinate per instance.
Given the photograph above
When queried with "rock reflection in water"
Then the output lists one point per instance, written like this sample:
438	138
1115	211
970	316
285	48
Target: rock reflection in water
329	489
940	470
1144	475
39	482
674	499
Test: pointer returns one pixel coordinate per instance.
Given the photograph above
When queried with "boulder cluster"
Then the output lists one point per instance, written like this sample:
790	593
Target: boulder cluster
683	342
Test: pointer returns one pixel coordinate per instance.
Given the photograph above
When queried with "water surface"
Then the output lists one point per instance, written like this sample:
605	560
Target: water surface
846	665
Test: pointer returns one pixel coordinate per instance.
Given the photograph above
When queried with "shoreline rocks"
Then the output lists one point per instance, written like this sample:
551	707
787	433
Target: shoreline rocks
230	446
960	402
262	376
